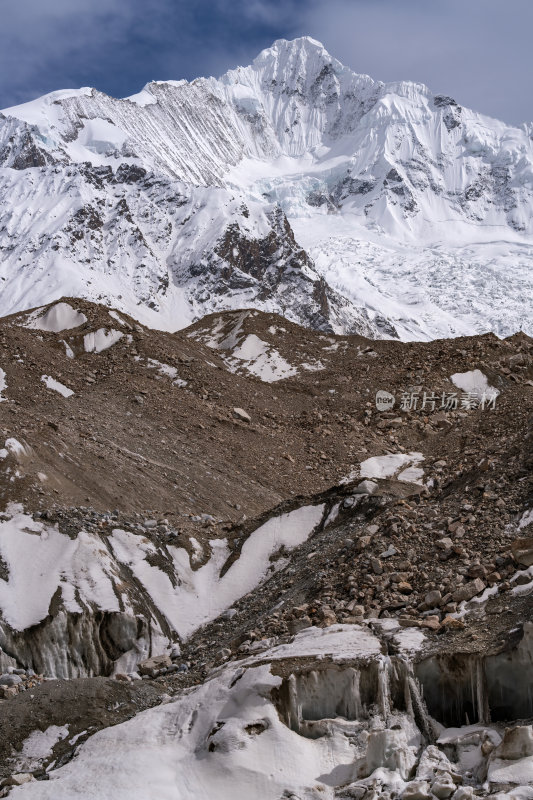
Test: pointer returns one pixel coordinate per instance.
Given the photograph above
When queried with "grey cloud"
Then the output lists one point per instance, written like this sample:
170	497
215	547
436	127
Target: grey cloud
40	38
476	50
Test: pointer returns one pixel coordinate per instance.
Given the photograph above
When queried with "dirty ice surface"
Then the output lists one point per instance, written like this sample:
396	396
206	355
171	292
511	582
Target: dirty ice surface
202	594
404	466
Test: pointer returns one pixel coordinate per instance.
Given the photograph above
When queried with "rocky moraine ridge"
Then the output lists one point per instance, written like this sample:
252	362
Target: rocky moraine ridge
218	554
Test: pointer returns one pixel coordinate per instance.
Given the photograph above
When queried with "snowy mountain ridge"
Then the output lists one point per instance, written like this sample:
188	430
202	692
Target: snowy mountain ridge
291	185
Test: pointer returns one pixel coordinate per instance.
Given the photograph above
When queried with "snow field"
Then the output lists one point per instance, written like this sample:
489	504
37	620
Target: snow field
429	234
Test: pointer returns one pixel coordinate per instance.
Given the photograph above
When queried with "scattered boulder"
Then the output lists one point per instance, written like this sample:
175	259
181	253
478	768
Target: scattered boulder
404	587
522	550
517	743
152	666
469	590
453	624
432	623
296	625
433	598
365	487
10	680
327	616
240	414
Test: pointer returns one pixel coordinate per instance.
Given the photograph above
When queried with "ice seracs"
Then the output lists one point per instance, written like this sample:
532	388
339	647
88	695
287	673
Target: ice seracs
88	577
274	730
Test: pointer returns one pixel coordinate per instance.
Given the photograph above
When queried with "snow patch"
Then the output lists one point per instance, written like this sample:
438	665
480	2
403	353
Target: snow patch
68	349
114	315
143	98
99	137
16	448
163	369
166	369
409	640
100	340
203	594
39	746
60	317
81	567
526	519
262	360
56	386
337	641
333	514
476	383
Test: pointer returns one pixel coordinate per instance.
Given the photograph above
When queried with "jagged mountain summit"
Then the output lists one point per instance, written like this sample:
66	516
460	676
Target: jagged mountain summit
293	185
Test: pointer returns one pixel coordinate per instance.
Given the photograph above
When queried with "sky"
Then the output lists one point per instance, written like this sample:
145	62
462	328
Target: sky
477	51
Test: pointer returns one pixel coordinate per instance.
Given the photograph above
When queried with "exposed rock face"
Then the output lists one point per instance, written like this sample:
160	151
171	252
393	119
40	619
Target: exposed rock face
19	148
246	256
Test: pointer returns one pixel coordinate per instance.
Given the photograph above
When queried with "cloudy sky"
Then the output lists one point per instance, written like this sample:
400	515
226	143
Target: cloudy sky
478	51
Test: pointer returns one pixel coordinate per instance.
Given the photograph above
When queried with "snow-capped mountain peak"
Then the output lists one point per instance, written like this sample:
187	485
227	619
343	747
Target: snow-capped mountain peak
393	195
289	65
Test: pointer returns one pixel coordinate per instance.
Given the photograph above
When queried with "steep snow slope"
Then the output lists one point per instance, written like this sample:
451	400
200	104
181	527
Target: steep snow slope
174	202
161	250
